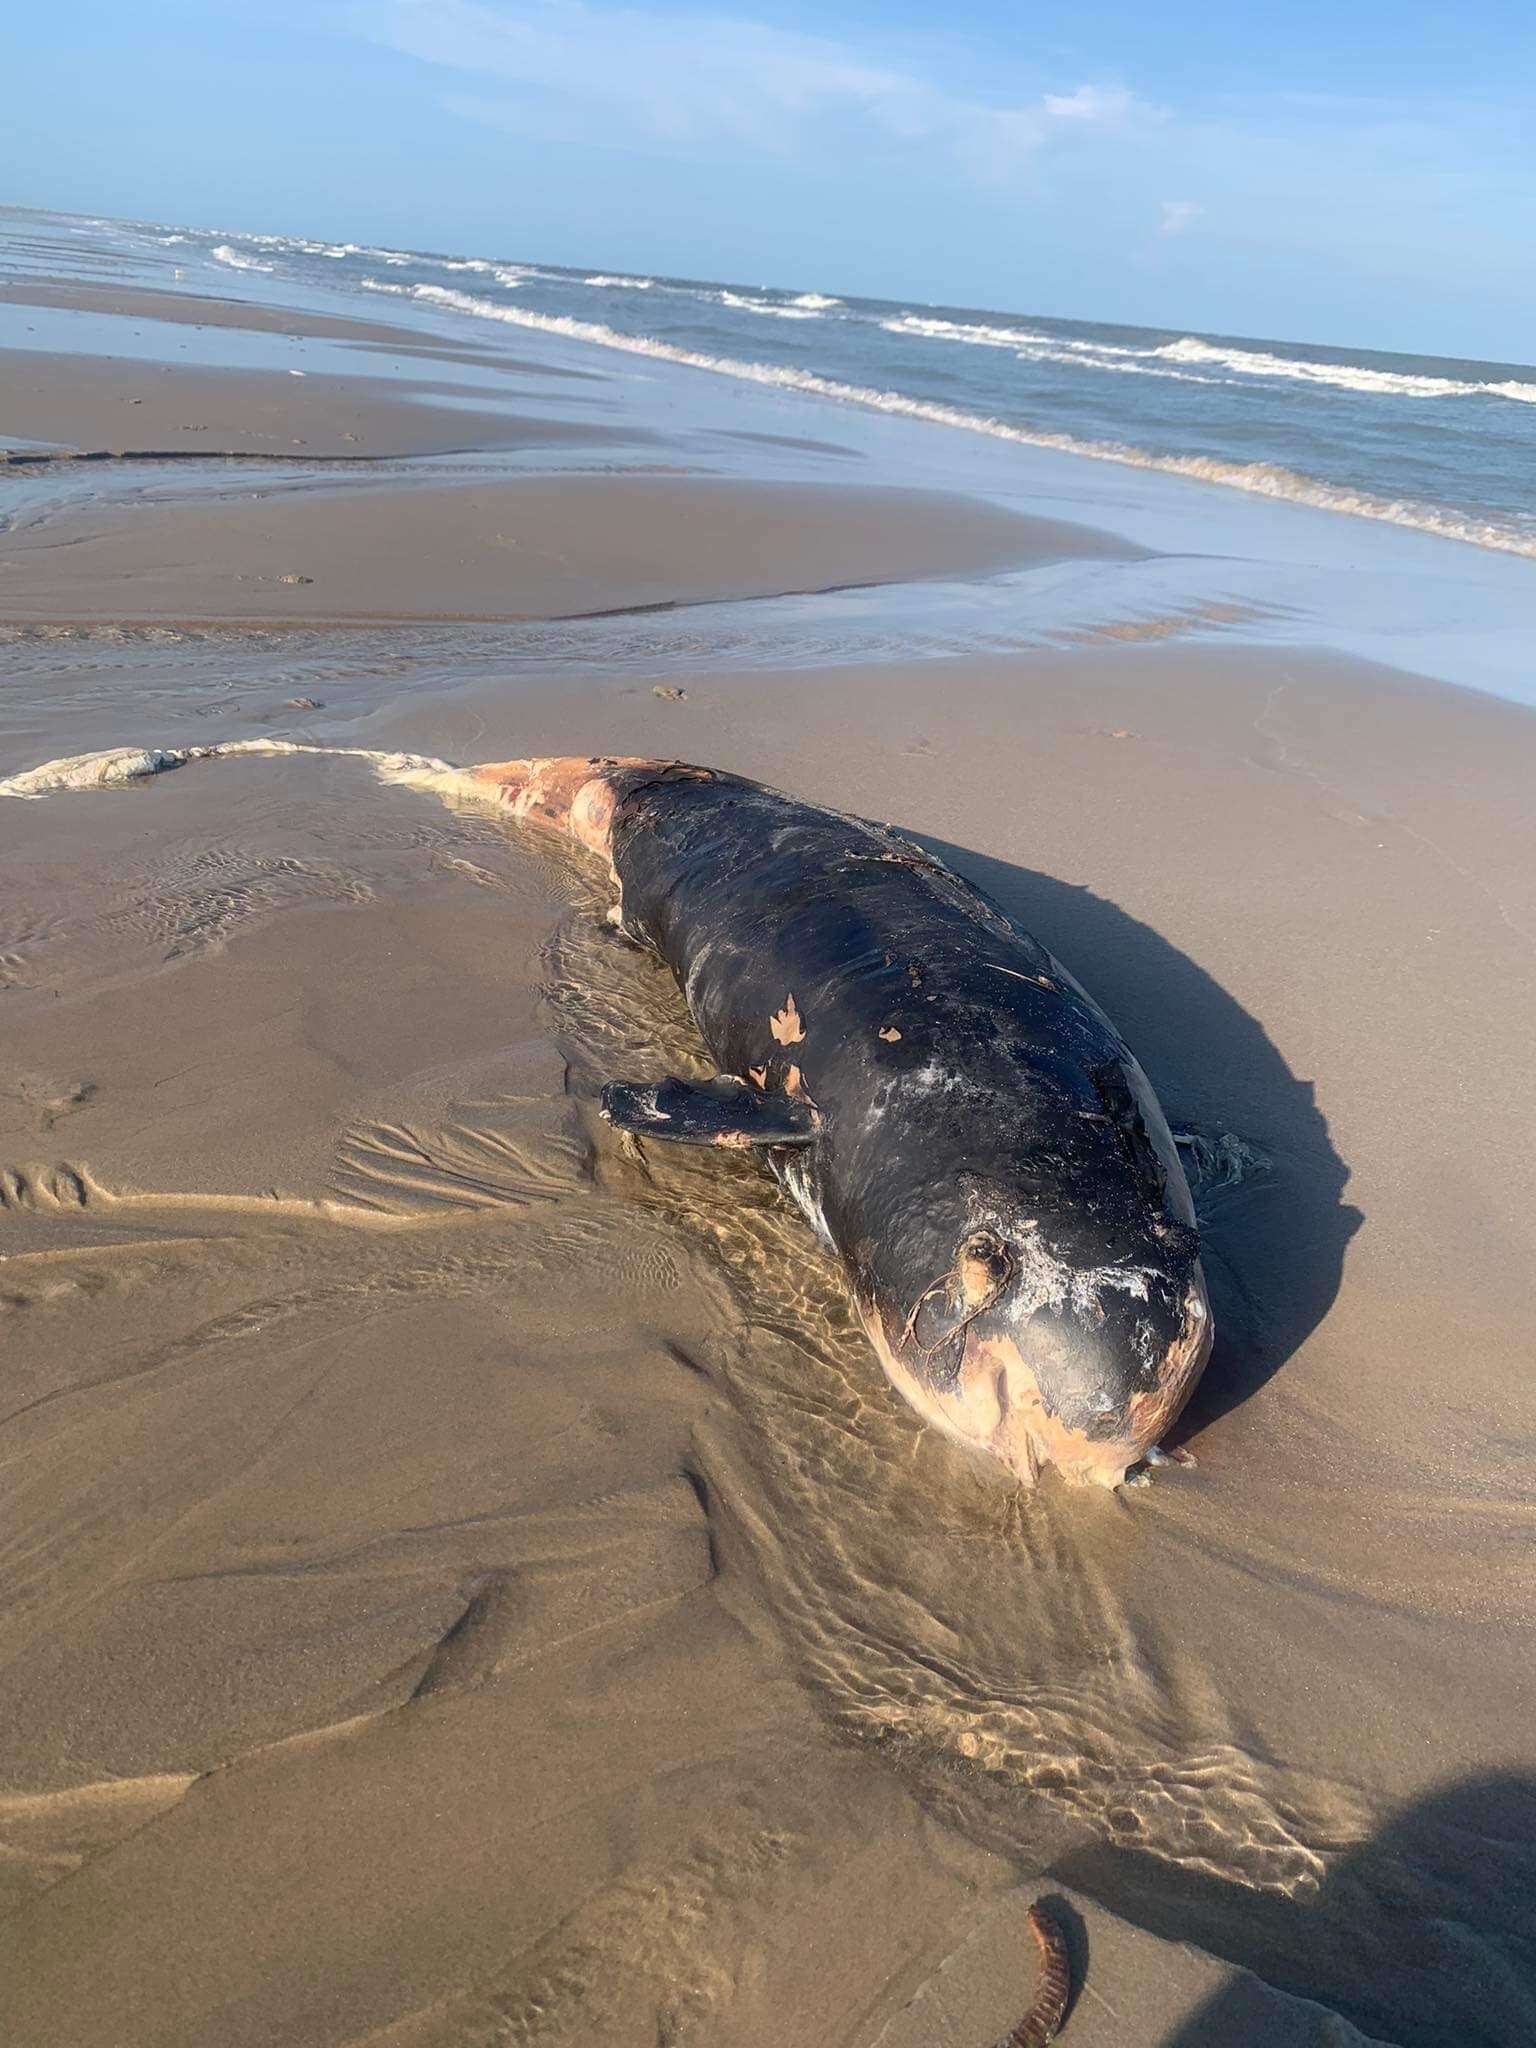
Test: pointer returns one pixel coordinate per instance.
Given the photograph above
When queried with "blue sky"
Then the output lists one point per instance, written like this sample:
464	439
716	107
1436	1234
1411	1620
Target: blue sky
1362	173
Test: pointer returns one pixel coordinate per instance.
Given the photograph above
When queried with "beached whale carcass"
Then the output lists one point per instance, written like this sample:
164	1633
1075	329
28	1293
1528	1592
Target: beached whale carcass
955	1116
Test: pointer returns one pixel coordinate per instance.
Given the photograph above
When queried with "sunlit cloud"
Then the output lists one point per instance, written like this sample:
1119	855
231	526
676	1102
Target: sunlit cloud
687	83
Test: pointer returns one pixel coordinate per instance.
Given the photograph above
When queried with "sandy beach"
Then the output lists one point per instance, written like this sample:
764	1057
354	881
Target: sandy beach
466	1579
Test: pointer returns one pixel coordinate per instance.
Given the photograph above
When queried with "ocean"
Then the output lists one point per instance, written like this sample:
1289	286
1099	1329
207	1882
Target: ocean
1440	444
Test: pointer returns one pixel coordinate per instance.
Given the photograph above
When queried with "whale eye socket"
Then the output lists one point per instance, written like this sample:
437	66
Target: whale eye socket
946	1308
984	1268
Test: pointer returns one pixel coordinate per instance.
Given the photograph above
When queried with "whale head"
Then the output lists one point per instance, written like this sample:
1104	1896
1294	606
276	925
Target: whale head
1045	1303
1054	1347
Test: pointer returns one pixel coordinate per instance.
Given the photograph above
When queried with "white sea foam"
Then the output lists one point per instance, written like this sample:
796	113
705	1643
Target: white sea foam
817	302
628	284
114	766
286	242
233	260
1030	347
973	334
1344	376
795	311
296	245
1263	479
1178	358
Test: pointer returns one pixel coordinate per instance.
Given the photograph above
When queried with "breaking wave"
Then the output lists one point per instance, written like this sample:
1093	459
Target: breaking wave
233	260
975	334
1262	479
794	311
628	284
1180	358
1044	348
1345	376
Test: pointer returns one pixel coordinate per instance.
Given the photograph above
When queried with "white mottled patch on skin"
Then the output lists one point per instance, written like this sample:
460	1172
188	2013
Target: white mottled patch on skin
931	1079
695	970
1042	1280
795	1175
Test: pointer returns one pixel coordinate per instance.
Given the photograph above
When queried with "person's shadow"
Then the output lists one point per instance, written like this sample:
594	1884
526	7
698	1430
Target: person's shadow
1273	1237
1423	1937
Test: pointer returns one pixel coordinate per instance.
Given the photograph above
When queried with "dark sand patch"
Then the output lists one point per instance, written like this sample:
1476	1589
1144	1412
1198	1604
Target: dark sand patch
800	441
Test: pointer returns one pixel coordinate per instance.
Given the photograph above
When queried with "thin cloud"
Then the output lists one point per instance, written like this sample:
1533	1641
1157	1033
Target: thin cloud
687	83
1177	214
1096	105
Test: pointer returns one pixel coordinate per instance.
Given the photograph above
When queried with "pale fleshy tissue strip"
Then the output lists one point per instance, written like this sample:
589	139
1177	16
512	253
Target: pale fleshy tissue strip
112	767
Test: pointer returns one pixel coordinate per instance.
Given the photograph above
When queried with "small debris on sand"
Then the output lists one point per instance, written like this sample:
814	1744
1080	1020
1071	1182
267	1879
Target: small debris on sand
1042	2023
670	692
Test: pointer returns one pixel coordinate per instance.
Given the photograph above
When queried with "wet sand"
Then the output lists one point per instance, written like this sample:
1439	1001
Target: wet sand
98	406
194	309
466	1580
556	547
124	301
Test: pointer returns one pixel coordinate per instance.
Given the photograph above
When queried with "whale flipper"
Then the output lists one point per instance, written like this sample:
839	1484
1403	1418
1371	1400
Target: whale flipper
724	1111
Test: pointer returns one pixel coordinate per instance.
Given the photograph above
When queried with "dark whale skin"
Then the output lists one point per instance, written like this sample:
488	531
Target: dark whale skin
989	1161
960	1122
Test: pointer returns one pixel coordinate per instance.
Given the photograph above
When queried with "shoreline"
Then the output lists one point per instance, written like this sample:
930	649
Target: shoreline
1389	595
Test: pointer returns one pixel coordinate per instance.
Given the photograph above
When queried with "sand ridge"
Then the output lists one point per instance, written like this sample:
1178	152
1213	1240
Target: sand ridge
539	548
98	409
